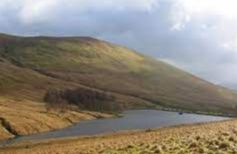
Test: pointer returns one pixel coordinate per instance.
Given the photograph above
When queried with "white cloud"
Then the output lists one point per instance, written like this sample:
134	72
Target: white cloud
38	11
230	45
140	5
32	11
184	10
220	14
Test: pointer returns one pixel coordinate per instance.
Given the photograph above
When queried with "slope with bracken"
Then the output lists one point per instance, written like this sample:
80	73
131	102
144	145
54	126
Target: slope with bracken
32	65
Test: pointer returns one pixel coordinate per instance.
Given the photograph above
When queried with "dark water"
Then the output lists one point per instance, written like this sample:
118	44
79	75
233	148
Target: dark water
136	119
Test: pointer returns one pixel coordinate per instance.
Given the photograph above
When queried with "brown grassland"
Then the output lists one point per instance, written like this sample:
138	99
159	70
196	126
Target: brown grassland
27	117
208	138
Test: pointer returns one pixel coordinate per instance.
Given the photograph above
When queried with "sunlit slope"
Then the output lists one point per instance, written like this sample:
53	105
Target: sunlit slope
65	62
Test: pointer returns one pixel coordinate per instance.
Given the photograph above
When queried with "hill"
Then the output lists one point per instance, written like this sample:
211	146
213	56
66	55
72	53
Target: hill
40	76
31	66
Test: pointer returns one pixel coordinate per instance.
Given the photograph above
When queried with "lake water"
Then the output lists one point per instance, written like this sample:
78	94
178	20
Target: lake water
135	119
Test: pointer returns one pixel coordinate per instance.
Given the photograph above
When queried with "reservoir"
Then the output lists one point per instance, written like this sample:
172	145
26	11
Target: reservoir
130	120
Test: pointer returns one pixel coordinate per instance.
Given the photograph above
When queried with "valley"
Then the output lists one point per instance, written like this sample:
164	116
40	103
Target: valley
50	83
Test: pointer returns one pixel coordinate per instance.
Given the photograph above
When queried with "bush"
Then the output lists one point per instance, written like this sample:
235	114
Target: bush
84	98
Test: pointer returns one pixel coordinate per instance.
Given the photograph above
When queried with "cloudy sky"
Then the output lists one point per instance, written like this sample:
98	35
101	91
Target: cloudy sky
199	36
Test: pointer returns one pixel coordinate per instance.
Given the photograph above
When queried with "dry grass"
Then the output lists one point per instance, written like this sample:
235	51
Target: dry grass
24	117
211	138
4	134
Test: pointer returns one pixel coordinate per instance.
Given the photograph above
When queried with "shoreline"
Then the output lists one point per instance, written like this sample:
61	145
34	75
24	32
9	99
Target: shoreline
11	141
119	132
136	137
197	112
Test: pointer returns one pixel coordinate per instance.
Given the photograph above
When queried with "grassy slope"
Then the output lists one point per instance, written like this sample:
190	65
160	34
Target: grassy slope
23	117
33	65
19	64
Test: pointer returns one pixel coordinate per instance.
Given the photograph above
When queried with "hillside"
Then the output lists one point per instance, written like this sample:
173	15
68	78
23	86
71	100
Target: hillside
30	66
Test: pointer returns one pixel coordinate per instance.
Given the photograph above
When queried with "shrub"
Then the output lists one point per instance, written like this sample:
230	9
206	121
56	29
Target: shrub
84	98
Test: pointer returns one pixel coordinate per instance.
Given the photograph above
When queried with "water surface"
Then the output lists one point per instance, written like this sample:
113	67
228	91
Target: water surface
135	119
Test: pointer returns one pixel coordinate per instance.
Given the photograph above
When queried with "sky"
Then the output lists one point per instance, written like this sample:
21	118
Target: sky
199	36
